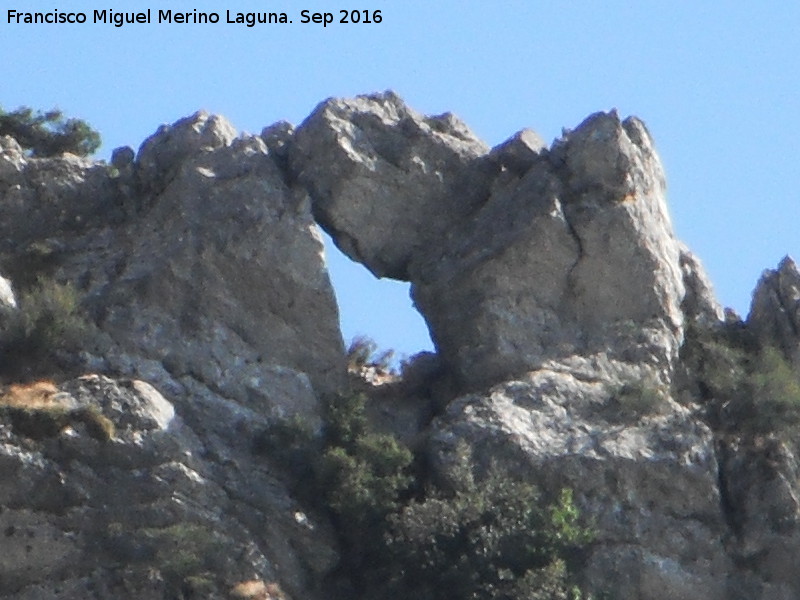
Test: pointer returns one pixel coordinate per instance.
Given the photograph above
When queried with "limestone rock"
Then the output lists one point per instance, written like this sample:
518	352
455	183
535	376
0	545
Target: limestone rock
519	152
145	514
203	274
225	270
516	256
760	486
555	292
162	154
7	298
646	478
385	181
775	311
200	258
278	137
575	257
700	305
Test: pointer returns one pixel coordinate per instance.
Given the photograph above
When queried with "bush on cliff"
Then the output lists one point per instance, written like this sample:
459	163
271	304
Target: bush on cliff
491	540
48	322
362	477
745	388
363	353
49	133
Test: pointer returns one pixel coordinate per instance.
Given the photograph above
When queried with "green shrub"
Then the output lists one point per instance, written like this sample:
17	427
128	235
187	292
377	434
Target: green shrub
491	540
48	321
345	420
363	484
717	360
49	133
187	556
770	402
632	400
745	388
362	478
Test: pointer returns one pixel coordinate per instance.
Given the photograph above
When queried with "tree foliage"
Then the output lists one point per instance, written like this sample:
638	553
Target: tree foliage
401	536
491	540
49	133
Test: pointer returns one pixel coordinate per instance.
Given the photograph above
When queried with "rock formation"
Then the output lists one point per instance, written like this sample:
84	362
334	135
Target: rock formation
556	292
203	274
775	312
517	255
88	518
386	182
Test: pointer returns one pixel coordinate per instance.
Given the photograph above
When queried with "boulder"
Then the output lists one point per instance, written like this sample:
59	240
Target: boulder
386	182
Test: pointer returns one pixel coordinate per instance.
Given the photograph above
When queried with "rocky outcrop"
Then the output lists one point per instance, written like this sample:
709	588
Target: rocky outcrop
151	512
700	306
775	311
644	471
555	290
197	256
575	257
202	273
551	254
386	182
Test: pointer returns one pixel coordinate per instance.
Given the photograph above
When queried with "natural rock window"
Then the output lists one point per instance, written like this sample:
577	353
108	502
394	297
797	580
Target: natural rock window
380	309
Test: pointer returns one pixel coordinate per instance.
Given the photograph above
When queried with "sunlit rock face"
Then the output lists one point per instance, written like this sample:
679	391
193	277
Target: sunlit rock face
556	293
202	273
386	182
775	311
196	255
516	256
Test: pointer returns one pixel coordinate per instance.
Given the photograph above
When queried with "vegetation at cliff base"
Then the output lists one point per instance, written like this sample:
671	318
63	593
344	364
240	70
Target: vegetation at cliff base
49	133
492	540
401	535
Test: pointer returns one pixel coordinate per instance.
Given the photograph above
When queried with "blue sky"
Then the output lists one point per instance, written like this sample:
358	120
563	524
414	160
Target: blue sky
718	85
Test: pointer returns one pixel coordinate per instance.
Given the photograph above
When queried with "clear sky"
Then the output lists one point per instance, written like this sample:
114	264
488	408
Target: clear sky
718	84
